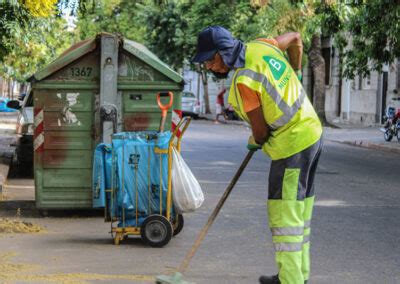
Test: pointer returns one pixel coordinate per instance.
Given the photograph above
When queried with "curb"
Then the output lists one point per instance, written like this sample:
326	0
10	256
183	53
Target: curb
364	144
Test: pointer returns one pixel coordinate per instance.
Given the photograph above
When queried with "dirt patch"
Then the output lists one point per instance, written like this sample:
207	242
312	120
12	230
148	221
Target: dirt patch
7	267
11	226
10	272
73	278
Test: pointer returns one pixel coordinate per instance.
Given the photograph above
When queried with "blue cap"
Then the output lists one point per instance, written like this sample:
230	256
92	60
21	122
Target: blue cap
211	40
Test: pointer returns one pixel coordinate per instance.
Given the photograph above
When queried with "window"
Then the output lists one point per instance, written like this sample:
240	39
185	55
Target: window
367	82
364	83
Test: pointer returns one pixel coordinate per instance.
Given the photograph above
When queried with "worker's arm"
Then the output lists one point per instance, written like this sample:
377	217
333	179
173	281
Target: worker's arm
259	127
291	42
252	107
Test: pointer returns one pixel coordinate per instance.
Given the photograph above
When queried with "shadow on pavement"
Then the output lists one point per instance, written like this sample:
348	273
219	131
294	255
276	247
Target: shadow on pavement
27	208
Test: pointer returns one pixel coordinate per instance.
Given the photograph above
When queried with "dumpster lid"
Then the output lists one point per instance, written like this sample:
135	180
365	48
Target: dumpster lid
141	52
83	47
71	54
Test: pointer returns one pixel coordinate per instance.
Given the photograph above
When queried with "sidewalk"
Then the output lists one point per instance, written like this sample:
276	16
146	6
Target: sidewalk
367	137
8	117
8	121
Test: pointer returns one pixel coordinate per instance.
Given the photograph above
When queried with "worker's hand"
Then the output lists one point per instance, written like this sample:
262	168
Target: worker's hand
252	144
299	74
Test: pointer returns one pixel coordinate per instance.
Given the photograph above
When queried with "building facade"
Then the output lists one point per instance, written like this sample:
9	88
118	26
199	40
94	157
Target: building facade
361	101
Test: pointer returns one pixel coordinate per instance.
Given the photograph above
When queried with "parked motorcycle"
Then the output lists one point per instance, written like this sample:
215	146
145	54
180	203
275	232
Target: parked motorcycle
392	124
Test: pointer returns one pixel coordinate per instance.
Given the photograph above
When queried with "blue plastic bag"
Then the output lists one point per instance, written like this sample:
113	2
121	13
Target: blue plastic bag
137	173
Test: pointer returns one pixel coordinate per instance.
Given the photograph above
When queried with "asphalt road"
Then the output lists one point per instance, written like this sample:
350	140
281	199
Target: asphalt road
355	229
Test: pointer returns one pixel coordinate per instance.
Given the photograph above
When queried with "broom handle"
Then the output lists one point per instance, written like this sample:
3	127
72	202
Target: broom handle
185	263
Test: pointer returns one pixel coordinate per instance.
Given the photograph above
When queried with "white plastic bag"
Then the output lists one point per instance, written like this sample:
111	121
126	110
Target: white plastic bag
187	193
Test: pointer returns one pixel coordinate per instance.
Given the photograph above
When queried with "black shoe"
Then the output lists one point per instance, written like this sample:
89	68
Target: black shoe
269	279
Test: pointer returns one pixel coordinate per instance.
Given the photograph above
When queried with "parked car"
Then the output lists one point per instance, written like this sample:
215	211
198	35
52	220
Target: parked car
190	105
23	155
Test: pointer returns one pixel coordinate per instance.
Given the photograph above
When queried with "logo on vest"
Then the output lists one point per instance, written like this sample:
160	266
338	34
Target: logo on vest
277	66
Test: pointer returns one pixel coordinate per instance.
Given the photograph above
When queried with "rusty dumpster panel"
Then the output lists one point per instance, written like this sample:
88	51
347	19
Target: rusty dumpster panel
68	159
63	169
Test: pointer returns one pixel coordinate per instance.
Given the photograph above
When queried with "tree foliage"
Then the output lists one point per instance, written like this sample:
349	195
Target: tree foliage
375	32
369	29
12	18
366	33
166	30
40	8
114	16
34	49
31	35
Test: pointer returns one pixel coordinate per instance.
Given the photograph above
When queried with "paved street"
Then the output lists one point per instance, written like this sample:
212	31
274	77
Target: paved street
354	231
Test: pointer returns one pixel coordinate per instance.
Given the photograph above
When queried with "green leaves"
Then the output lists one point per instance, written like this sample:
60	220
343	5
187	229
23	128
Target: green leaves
28	40
375	31
33	47
170	28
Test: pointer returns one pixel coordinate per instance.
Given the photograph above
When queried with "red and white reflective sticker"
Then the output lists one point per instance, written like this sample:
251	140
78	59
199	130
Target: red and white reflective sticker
176	118
38	136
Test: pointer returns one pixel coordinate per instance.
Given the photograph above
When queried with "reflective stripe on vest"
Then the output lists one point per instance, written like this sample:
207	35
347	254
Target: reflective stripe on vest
288	111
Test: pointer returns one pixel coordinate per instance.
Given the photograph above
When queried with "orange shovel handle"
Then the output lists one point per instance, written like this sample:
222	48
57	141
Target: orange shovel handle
165	108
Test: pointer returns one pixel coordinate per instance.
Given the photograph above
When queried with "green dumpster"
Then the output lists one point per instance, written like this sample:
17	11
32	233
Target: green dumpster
97	87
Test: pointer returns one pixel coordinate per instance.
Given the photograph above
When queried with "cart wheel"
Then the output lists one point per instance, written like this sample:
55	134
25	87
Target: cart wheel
178	224
156	231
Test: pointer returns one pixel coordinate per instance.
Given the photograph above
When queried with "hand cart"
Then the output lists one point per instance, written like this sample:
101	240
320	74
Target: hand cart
145	209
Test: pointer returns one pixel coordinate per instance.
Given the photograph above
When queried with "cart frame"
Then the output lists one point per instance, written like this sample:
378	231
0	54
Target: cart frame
120	233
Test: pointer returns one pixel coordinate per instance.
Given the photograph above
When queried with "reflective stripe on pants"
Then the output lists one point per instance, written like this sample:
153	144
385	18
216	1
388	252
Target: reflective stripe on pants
290	203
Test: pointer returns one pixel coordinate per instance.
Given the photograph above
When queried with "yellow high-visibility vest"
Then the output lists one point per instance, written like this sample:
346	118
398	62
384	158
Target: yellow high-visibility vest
286	107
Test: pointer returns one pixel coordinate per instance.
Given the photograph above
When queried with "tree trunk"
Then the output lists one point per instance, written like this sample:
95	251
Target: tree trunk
1	86
198	88
10	88
204	79
22	88
317	64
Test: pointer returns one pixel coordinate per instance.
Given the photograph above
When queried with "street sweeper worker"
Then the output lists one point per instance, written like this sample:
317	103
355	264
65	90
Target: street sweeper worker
267	93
